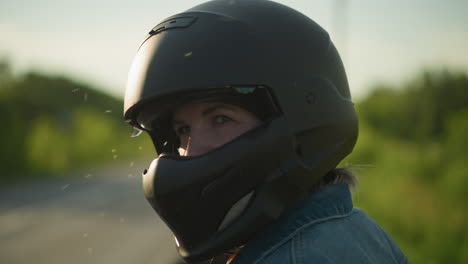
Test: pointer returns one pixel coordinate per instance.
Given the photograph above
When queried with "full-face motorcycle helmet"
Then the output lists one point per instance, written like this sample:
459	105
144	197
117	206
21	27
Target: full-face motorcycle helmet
267	58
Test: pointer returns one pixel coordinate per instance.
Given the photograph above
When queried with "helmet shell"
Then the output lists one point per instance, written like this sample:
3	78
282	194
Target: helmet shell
236	42
225	43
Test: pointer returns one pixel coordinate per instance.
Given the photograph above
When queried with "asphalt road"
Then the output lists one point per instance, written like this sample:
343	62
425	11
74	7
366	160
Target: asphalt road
96	216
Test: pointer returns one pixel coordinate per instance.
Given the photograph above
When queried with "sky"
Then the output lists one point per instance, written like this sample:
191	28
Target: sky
95	41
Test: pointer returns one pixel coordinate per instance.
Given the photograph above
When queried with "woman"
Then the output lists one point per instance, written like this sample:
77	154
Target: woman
249	109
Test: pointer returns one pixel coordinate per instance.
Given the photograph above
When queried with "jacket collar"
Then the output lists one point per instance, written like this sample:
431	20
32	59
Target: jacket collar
332	201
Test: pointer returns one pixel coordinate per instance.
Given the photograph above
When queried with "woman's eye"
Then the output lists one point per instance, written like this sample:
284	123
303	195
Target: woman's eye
221	119
183	130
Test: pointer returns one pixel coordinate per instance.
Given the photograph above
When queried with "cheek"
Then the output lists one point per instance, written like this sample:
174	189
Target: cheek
228	133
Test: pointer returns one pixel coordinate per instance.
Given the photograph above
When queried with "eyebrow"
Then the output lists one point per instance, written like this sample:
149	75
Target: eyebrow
208	111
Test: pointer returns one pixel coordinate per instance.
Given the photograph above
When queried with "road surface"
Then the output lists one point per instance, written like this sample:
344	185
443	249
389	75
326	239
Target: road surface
96	216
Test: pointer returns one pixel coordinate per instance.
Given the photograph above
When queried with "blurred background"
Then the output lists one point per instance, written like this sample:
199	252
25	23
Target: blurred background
70	186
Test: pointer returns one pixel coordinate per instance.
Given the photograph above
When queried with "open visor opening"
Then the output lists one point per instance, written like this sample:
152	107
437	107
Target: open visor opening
155	116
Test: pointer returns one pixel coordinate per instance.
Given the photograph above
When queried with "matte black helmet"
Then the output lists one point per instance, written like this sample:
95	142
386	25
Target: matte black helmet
230	50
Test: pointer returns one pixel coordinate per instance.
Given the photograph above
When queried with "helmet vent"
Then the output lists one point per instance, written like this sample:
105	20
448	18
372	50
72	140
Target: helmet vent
177	22
310	98
299	151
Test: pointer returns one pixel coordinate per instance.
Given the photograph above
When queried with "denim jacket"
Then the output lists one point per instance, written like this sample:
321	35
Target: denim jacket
324	228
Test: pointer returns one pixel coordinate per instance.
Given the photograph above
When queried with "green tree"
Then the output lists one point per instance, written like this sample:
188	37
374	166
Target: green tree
53	124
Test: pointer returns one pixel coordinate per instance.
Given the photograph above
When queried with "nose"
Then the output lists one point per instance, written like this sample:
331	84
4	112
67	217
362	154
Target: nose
198	143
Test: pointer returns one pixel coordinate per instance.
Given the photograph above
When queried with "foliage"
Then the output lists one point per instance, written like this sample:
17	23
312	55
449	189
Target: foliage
419	109
413	153
53	124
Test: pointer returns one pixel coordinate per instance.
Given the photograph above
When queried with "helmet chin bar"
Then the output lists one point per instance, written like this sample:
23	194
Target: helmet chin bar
194	194
208	200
